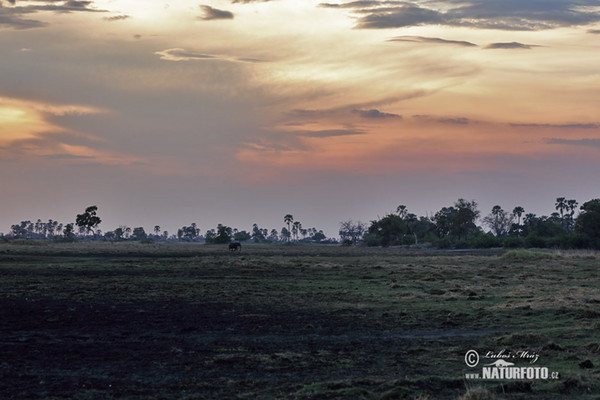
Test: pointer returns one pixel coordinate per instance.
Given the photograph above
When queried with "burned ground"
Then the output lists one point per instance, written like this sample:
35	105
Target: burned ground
298	326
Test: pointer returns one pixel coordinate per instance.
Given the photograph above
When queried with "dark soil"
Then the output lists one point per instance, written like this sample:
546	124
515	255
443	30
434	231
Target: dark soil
63	349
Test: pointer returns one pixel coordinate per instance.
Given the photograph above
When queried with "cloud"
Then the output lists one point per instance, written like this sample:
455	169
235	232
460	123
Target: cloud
117	18
330	133
13	16
178	54
249	1
421	39
561	126
376	114
400	17
481	14
594	31
511	45
594	143
213	13
443	120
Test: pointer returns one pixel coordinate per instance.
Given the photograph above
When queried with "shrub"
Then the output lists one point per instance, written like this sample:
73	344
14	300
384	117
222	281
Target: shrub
513	242
534	241
486	241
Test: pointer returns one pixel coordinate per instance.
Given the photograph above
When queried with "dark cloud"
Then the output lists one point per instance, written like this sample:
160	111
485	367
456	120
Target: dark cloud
399	17
249	1
456	121
421	39
511	45
330	133
594	31
376	114
213	13
444	120
595	143
14	16
358	4
483	14
561	126
117	18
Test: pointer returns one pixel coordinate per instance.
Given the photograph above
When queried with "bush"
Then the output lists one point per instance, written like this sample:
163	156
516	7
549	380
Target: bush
372	240
534	241
513	242
486	241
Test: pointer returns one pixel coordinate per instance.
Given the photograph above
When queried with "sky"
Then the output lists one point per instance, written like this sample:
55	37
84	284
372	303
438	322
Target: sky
242	111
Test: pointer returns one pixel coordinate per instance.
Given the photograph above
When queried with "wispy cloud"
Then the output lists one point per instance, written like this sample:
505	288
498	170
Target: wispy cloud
561	126
329	133
117	18
421	39
588	142
178	54
375	114
443	120
511	45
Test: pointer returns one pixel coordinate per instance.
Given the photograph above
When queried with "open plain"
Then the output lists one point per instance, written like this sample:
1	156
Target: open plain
99	320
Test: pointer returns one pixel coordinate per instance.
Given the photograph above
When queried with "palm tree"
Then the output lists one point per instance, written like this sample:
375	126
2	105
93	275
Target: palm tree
296	229
288	219
561	205
402	211
517	212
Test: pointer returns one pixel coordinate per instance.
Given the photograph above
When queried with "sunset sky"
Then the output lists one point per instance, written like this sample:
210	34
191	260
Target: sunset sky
239	112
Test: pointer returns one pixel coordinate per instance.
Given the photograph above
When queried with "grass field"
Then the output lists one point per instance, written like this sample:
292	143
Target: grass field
189	321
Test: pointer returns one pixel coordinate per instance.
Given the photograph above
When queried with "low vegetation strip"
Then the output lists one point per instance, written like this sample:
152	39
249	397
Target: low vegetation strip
96	321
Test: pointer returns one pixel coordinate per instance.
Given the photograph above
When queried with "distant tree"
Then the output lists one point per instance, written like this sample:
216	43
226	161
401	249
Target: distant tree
224	234
157	230
588	222
119	233
20	230
139	234
257	234
318	237
88	220
466	215
296	227
570	217
402	211
188	233
352	231
443	221
241	236
285	234
273	236
110	236
210	236
499	221
288	219
387	231
68	232
518	212
561	205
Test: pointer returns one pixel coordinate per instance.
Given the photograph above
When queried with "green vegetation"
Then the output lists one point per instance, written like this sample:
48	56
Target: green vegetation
453	227
129	320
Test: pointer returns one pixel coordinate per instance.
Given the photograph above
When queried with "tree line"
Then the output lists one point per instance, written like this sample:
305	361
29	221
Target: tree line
86	226
455	226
